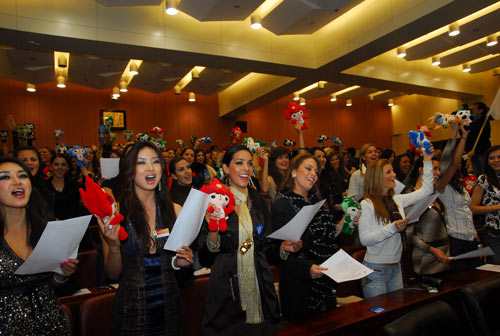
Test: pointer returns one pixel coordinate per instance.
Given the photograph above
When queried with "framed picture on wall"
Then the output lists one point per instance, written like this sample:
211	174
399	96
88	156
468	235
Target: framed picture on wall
119	118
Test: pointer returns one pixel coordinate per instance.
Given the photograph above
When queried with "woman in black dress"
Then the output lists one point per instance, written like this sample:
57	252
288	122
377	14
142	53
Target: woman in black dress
148	299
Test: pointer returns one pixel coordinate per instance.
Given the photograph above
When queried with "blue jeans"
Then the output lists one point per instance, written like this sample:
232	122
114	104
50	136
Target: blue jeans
385	278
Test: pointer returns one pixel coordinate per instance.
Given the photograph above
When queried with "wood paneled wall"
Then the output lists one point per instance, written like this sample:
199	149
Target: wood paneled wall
365	121
76	111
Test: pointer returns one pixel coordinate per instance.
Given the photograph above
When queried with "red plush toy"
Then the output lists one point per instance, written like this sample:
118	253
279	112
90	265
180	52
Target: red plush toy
297	115
236	134
101	204
220	205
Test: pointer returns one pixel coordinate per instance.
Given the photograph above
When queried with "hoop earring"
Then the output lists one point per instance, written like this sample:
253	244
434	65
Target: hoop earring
159	186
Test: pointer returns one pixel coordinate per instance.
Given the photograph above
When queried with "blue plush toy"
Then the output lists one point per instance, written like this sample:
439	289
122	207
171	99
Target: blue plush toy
78	153
420	141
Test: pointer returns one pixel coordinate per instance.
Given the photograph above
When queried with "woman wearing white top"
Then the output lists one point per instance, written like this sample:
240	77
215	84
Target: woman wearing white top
381	221
368	155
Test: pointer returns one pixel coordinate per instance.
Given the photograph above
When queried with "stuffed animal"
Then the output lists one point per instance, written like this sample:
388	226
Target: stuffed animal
220	205
297	115
142	137
159	143
206	140
288	143
337	141
441	120
419	141
100	203
179	142
322	139
352	211
78	153
157	131
129	134
251	144
236	134
61	149
4	136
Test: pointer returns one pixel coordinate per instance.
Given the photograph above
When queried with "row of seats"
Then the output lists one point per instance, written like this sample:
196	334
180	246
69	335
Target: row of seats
476	315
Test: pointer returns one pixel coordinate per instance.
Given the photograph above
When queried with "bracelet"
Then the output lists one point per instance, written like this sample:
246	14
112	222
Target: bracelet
60	279
173	264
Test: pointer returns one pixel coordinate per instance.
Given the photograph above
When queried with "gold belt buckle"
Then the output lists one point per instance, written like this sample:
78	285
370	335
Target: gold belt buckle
245	246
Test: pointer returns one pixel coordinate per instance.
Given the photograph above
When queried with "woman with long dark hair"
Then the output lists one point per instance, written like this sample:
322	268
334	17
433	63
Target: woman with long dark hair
148	299
332	181
27	302
304	290
241	296
486	201
31	158
274	171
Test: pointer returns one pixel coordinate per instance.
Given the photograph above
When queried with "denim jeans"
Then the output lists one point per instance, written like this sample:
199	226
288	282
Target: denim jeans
385	278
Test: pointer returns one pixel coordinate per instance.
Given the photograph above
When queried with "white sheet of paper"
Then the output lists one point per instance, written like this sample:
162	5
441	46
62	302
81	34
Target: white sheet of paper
59	241
415	211
188	223
489	267
110	167
398	188
342	267
480	252
495	106
294	229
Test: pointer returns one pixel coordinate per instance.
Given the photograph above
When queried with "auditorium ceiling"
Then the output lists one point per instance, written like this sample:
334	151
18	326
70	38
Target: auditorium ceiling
325	49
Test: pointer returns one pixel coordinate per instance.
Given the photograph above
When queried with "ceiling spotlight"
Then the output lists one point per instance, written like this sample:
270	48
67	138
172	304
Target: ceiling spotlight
390	103
491	41
401	52
116	93
192	97
177	90
453	29
123	86
302	102
134	69
466	68
171	7
333	98
436	61
61	81
296	97
321	85
348	102
62	62
30	87
255	22
195	73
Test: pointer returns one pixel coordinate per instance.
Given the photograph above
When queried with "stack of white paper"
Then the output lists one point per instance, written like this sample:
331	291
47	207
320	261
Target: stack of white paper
489	267
59	241
188	223
342	267
480	252
294	229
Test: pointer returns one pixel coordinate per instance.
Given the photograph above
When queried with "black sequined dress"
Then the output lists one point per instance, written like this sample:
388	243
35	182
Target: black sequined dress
28	304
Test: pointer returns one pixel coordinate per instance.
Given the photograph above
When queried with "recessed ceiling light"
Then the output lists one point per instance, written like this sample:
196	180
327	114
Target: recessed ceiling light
134	69
255	22
116	93
453	29
61	82
401	52
30	87
123	86
491	41
302	102
191	97
436	61
333	98
348	102
390	103
466	68
296	97
171	7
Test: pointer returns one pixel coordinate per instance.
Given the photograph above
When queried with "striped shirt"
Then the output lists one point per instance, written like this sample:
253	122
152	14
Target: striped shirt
458	215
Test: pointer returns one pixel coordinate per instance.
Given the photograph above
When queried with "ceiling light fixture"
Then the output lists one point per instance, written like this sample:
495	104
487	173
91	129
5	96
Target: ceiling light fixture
348	102
191	97
123	86
255	22
171	7
491	41
62	62
177	90
466	68
195	73
133	69
333	98
436	61
30	87
321	84
116	93
401	52
453	29
302	102
61	81
296	96
390	103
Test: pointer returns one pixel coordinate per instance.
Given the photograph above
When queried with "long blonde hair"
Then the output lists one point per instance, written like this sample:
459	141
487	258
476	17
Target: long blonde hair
374	188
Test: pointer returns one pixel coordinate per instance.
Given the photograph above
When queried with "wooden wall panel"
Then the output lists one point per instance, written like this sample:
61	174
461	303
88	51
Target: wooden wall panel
76	110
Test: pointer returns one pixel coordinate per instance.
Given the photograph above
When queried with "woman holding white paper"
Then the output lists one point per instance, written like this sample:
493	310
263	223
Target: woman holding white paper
148	299
241	296
303	288
380	224
27	302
